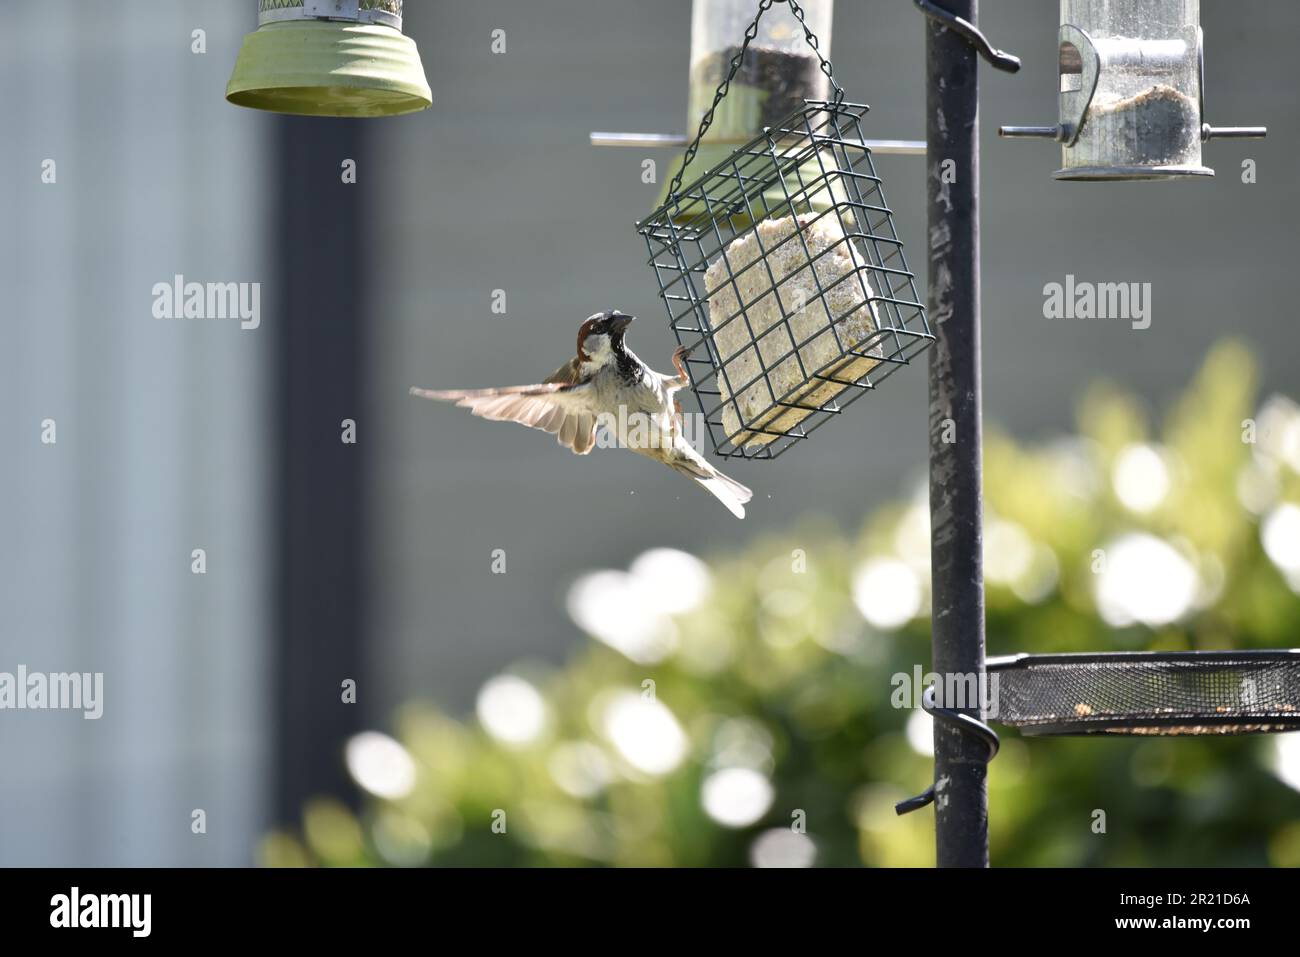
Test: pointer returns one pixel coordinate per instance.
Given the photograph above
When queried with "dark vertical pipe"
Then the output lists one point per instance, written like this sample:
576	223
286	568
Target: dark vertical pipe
956	540
319	380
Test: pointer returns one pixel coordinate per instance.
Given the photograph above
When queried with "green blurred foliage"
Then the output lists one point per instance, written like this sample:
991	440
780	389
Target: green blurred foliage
779	671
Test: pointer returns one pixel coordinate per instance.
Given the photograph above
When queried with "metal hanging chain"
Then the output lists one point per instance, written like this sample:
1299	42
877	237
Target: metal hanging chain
750	33
968	725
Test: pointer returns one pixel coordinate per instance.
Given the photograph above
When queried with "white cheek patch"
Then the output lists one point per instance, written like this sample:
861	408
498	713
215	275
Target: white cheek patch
597	346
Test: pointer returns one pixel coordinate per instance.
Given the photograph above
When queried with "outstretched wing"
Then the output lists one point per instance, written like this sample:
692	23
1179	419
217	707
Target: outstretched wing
560	405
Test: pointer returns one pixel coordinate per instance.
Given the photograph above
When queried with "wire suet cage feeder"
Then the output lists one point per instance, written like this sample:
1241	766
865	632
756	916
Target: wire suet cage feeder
1132	92
781	268
344	58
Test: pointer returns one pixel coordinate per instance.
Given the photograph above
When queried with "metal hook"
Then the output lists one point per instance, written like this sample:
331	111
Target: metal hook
998	59
965	722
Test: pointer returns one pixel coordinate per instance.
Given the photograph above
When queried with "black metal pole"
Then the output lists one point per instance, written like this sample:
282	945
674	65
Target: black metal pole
956	540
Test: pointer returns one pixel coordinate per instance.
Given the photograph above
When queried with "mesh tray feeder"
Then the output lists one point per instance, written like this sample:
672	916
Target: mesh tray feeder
1149	693
1165	693
783	262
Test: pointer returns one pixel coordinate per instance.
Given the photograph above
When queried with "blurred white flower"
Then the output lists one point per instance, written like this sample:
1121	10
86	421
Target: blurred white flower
782	847
611	607
920	733
736	797
912	536
1257	485
380	765
887	593
1280	535
677	581
632	611
1286	759
1140	477
645	733
1278	430
1008	551
511	710
1145	579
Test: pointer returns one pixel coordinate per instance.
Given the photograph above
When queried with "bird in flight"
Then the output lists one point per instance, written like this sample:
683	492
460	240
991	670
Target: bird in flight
606	385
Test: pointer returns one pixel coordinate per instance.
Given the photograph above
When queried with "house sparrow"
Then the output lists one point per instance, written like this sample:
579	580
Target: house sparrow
606	384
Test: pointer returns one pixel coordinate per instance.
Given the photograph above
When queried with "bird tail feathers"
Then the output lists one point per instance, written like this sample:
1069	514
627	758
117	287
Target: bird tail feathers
722	487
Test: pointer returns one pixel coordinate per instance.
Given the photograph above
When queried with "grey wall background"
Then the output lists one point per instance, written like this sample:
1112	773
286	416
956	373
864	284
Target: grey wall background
496	187
163	429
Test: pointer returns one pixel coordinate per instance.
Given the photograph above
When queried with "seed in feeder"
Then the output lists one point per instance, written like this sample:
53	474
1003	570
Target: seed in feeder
790	294
1157	127
1082	710
769	85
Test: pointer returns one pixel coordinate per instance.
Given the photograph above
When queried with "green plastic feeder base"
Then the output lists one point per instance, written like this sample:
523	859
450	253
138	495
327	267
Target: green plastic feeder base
329	68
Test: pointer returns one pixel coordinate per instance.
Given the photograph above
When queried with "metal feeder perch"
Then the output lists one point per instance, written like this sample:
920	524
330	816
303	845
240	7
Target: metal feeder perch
783	263
329	58
1132	92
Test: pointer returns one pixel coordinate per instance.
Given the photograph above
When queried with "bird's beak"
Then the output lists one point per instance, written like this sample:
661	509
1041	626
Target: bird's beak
620	323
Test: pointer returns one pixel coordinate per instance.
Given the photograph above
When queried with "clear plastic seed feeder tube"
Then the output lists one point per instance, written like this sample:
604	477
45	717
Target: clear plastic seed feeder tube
1131	97
1145	110
777	72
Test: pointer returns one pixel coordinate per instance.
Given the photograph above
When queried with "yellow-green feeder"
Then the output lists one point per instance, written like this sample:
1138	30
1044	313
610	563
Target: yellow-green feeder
329	58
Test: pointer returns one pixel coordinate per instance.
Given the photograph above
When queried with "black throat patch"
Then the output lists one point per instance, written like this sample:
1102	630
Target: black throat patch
627	366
